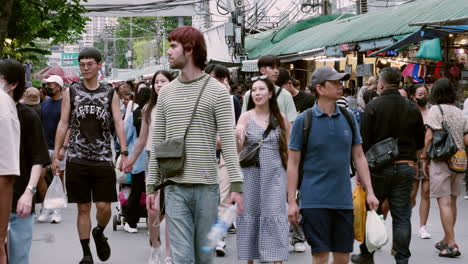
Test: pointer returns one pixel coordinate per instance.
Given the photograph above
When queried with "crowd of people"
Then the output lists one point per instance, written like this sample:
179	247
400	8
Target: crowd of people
298	189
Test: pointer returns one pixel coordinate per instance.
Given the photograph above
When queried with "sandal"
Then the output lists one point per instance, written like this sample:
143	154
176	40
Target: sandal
87	260
441	245
450	252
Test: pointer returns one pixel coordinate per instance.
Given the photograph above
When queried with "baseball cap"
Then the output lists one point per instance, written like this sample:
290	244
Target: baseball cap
327	73
32	96
54	79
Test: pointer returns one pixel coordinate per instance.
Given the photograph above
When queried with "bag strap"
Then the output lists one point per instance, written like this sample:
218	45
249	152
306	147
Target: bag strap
350	120
196	106
279	91
306	126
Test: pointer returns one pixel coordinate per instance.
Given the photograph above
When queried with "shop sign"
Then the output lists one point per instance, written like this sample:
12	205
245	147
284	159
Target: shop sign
70	59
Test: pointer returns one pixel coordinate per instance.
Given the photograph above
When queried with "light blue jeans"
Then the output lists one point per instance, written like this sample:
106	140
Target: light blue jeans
191	211
20	238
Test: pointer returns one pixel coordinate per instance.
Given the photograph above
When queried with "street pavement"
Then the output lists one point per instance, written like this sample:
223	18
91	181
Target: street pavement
59	243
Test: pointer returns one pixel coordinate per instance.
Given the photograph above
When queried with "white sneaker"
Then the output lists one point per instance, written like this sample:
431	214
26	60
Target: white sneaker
299	247
56	217
291	248
423	234
130	229
155	256
221	248
168	260
44	216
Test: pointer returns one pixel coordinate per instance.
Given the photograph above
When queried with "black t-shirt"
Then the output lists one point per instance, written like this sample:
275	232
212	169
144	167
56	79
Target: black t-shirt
33	150
303	101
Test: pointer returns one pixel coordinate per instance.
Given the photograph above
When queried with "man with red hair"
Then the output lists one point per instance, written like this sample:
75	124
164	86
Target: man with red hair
192	197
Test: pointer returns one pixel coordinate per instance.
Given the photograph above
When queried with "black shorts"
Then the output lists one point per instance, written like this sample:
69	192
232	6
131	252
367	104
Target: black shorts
86	183
328	230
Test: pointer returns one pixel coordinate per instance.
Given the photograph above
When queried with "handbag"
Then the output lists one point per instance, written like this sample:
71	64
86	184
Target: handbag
250	155
382	153
458	162
359	203
170	153
443	146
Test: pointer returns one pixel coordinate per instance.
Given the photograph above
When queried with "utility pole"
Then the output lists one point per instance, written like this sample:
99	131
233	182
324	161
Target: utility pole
207	14
325	7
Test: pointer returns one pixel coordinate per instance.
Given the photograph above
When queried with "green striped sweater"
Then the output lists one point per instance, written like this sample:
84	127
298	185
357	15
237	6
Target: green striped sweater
174	109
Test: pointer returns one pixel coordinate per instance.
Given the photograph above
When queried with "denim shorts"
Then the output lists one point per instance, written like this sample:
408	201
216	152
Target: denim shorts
328	230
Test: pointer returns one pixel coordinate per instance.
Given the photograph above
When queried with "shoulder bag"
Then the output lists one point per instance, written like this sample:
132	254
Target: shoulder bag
170	153
443	146
382	153
250	155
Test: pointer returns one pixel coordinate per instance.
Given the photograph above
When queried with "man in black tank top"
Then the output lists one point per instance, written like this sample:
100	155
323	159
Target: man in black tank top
90	109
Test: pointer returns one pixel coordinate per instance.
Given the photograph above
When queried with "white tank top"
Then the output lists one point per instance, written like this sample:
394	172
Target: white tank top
149	140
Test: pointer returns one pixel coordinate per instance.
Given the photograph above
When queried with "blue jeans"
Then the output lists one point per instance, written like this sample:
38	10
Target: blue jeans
20	238
395	182
191	210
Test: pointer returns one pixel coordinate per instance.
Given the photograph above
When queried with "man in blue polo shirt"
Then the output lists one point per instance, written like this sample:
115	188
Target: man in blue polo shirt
326	201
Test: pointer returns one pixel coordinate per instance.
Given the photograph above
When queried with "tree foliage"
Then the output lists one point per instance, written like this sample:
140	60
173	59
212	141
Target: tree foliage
57	20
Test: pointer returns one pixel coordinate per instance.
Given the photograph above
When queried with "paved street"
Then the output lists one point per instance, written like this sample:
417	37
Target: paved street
59	244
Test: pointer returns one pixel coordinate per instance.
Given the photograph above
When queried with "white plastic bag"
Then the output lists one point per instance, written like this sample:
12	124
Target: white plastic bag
376	233
55	198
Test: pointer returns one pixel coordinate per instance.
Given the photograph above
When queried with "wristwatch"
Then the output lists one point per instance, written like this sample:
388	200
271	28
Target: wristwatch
32	189
124	153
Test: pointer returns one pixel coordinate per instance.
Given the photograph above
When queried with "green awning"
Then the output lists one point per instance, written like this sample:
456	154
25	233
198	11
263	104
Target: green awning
385	23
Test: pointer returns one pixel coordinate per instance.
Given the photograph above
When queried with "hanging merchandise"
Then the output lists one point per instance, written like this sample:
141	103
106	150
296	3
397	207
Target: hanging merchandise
430	49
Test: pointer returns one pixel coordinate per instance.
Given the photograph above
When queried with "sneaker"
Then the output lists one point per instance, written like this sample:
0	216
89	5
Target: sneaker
232	229
102	246
155	256
291	248
423	234
466	196
130	229
360	259
44	216
87	260
221	248
168	260
299	247
56	217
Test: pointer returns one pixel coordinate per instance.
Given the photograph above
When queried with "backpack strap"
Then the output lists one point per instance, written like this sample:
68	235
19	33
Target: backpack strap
306	126
279	91
351	124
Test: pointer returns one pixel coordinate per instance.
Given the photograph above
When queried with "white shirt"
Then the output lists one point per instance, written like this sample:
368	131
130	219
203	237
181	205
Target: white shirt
9	136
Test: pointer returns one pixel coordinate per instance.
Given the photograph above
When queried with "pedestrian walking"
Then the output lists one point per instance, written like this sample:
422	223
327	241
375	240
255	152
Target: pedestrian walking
302	100
11	90
159	80
269	65
421	98
89	108
33	157
445	183
262	228
393	116
191	197
31	98
326	201
50	116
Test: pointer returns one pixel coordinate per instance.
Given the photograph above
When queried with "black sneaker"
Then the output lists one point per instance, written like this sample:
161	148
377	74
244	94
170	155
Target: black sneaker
102	246
232	229
87	260
360	259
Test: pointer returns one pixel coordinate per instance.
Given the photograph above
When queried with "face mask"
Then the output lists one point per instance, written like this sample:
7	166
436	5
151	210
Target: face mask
422	101
49	91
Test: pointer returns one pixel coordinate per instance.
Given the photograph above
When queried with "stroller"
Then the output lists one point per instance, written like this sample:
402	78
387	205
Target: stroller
124	181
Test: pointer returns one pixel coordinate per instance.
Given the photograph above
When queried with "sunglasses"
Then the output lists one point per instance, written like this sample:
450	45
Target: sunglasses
261	77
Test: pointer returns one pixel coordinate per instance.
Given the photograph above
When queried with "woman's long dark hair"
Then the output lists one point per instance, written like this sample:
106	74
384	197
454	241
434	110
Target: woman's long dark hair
276	114
154	95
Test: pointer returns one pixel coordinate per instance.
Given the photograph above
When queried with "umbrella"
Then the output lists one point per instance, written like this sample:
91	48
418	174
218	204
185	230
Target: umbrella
67	75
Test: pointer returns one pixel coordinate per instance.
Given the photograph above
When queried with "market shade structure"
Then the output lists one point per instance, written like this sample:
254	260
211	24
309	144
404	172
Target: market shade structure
385	23
125	8
67	75
424	34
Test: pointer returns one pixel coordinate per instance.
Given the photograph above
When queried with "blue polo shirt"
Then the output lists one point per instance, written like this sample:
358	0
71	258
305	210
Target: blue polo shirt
326	182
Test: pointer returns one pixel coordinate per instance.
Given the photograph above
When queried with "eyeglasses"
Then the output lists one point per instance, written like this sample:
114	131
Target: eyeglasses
261	77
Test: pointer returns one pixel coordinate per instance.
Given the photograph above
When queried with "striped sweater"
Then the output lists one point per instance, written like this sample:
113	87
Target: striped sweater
174	109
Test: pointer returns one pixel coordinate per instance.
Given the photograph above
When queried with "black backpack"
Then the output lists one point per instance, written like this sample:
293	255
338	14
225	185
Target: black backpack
306	126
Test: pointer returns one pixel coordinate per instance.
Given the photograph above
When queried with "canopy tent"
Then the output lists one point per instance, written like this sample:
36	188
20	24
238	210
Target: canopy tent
426	33
67	75
123	8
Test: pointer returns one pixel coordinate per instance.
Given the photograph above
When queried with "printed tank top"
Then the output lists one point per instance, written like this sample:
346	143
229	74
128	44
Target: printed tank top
91	123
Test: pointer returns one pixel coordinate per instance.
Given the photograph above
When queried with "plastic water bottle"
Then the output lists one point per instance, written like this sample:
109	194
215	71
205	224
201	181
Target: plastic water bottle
219	229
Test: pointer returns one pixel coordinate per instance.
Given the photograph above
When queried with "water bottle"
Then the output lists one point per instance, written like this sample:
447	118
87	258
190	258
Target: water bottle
219	229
